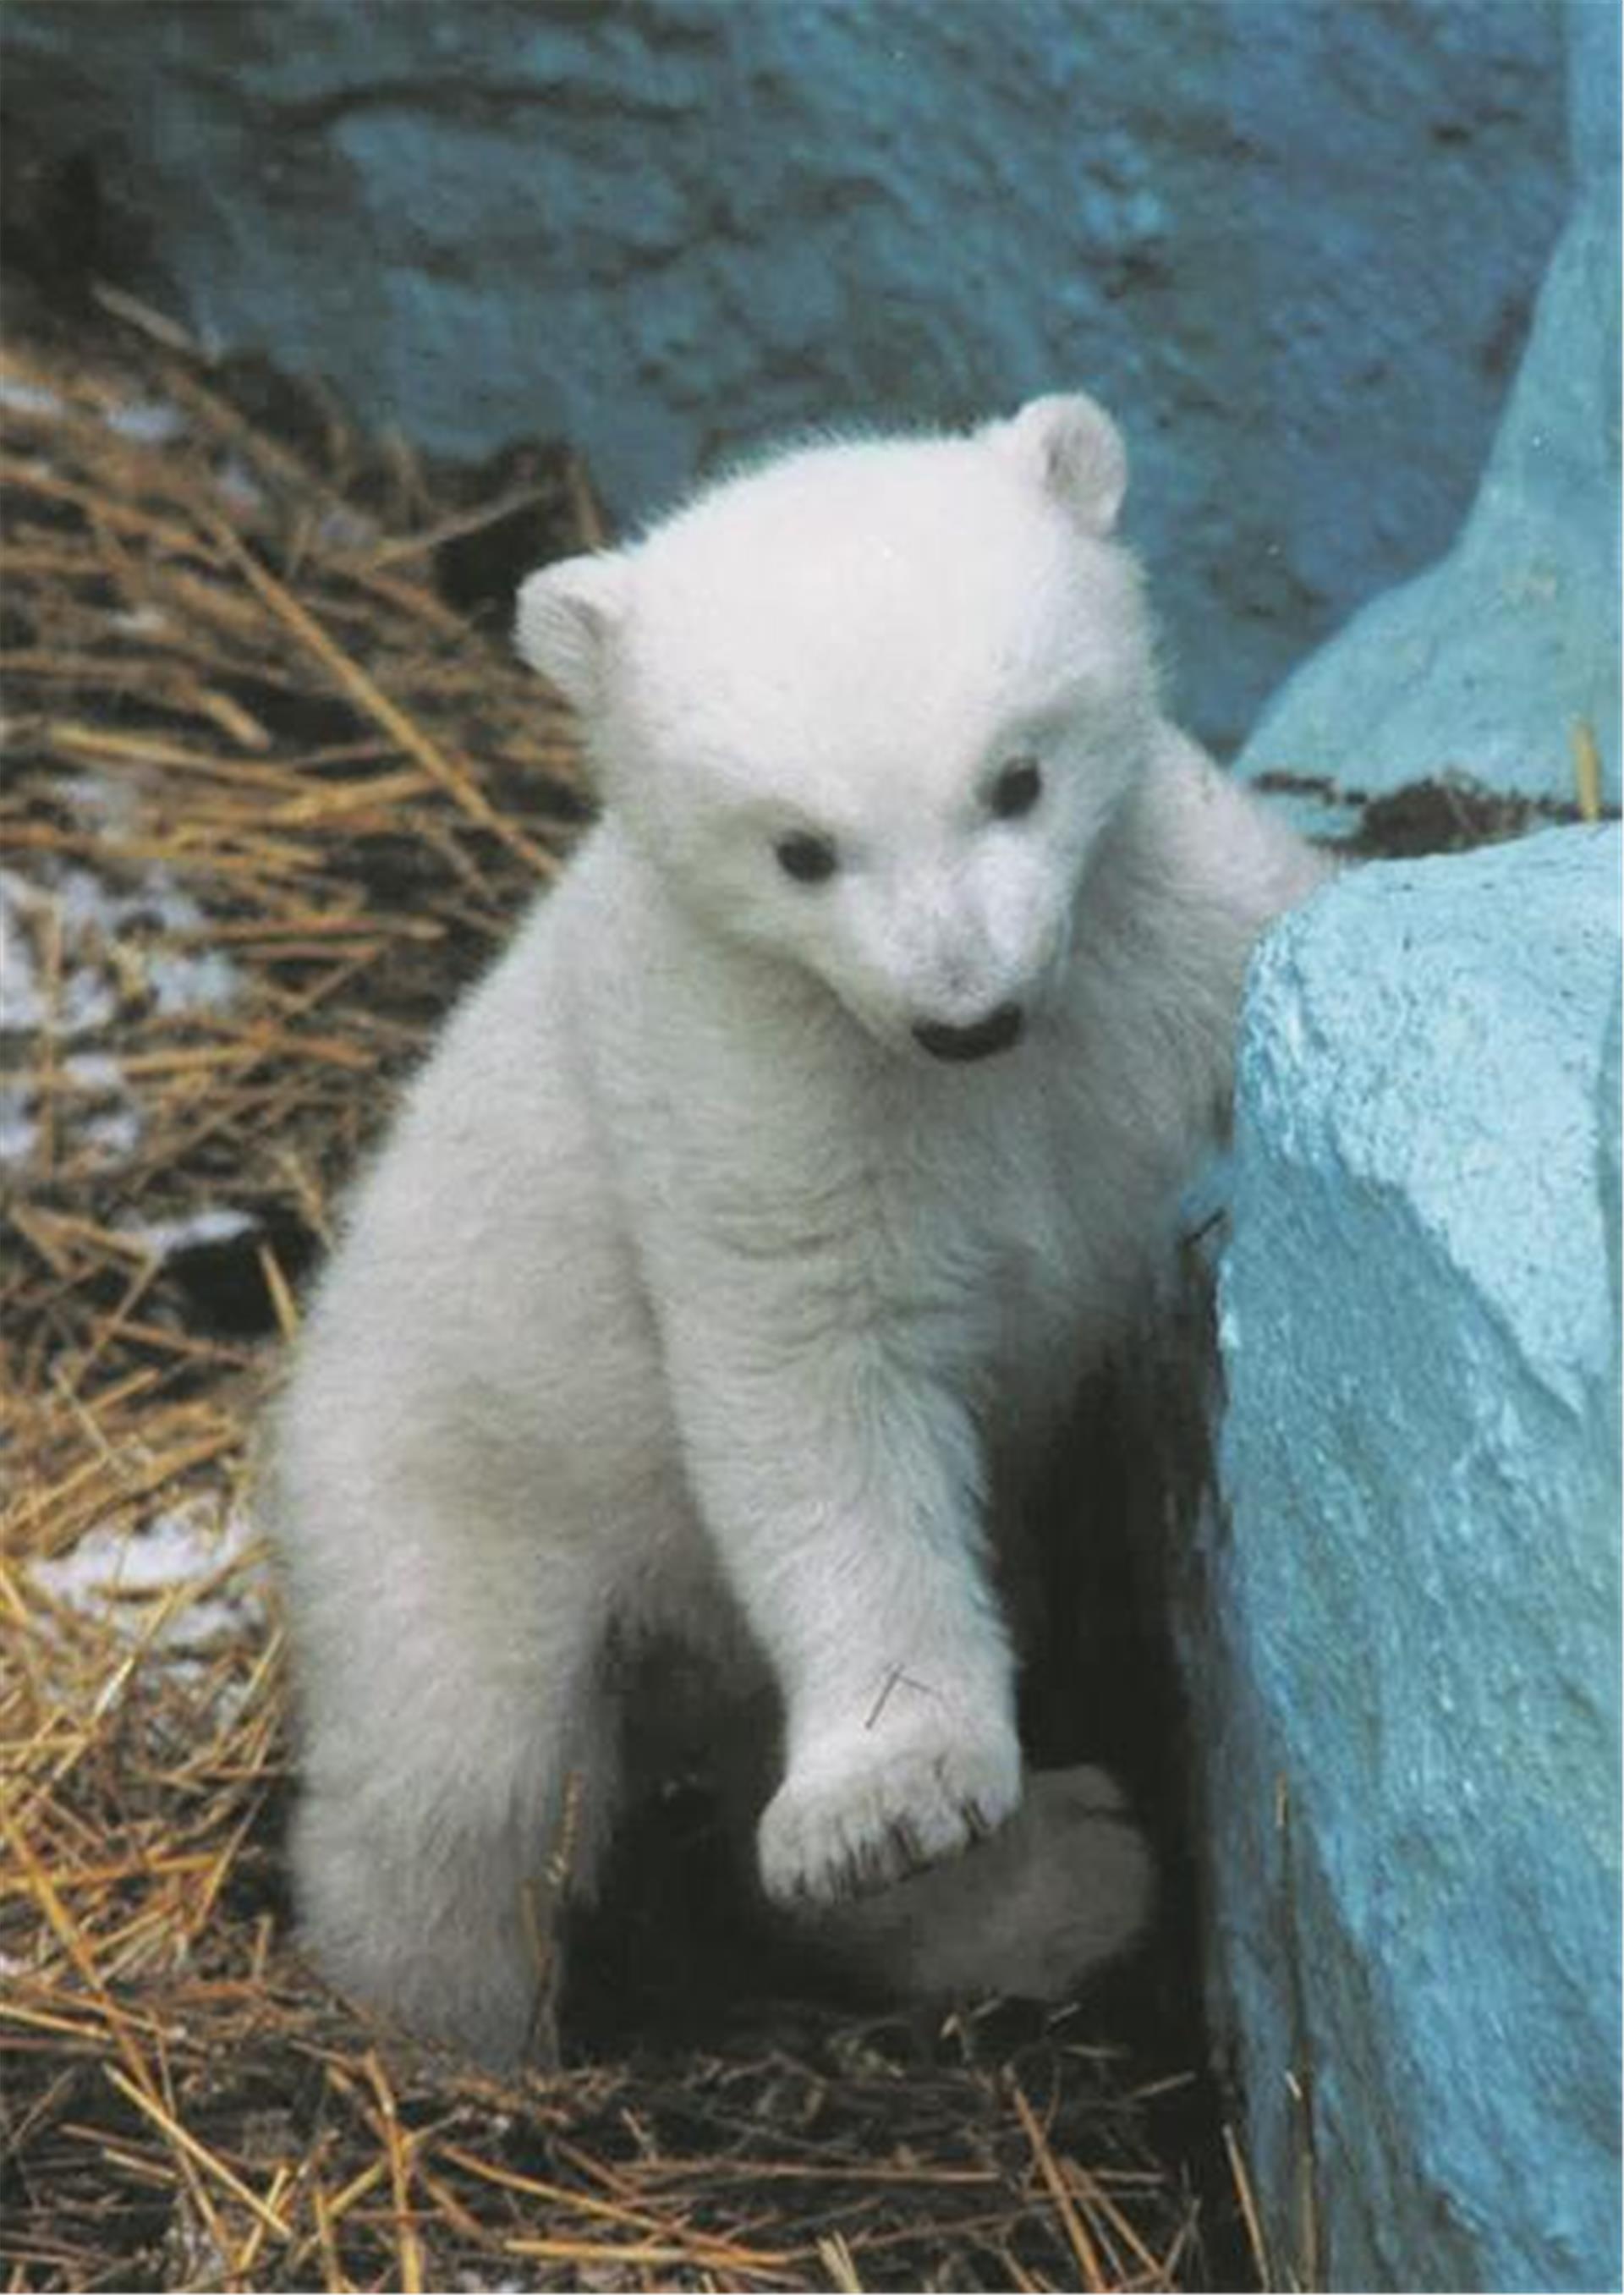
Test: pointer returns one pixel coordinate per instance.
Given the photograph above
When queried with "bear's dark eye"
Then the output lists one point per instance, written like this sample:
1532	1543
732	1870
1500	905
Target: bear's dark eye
1018	789
809	860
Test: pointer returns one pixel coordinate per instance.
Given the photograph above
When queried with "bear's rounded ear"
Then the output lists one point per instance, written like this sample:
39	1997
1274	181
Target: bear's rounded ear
567	617
1073	451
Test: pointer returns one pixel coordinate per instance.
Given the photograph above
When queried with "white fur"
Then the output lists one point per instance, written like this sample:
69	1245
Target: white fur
689	1294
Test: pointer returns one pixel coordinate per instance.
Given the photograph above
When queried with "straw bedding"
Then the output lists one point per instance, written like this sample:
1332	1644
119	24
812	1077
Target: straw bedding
273	790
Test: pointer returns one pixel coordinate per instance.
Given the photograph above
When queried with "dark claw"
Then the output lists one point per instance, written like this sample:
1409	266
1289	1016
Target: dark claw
911	1856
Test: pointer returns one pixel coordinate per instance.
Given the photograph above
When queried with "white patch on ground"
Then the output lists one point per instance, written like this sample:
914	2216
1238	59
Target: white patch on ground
238	485
28	398
19	1132
346	529
94	1105
21	1003
113	1137
147	422
120	1572
143	622
104	804
76	952
216	1224
94	1074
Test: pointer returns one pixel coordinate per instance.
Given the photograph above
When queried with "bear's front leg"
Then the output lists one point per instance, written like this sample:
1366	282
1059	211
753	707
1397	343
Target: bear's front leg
839	1477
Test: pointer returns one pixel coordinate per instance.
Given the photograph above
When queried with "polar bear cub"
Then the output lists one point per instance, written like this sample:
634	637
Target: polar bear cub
741	1245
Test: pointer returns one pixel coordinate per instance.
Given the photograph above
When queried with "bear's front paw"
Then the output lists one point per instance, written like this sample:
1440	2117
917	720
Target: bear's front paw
852	1818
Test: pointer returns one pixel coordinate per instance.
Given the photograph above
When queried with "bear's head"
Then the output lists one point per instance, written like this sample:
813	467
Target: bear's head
870	705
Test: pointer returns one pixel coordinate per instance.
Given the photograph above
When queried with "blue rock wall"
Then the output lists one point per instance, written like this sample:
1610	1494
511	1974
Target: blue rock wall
1490	664
1402	1620
1294	246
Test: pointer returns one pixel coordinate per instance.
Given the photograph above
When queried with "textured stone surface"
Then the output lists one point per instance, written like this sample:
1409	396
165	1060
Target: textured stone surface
1294	247
1484	665
1403	1619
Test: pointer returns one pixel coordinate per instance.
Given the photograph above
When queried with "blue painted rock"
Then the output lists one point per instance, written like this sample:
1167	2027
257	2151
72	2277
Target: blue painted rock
1502	662
1405	1662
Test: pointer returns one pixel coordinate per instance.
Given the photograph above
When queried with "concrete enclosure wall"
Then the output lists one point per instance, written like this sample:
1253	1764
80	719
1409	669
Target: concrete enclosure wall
1294	247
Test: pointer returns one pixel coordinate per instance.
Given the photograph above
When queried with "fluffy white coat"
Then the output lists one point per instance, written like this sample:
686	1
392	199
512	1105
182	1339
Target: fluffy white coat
696	1291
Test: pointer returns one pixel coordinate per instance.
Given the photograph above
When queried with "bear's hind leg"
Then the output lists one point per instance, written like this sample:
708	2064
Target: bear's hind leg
1060	1892
450	1806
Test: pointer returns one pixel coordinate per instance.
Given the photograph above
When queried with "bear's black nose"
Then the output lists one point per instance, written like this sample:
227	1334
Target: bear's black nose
995	1034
